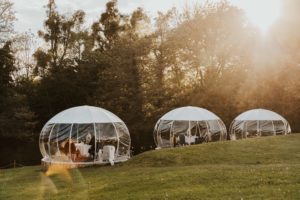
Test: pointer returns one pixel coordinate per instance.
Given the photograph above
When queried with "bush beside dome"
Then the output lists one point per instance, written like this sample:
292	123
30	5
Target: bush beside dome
84	135
187	126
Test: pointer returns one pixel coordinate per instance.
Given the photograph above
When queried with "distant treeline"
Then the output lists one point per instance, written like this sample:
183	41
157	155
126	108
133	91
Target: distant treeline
139	68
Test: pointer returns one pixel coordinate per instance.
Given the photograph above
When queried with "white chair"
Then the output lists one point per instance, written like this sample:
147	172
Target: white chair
108	154
190	139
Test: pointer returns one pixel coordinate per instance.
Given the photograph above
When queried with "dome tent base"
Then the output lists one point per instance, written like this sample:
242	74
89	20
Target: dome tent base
46	163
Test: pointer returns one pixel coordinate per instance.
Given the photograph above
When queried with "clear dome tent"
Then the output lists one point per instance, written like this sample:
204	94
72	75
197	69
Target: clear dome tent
258	122
84	135
188	125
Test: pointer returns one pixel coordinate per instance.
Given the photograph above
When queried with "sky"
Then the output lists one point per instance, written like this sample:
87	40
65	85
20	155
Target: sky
31	13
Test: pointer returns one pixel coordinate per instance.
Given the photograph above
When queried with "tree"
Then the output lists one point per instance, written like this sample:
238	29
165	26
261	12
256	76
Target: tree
24	44
63	36
203	56
108	28
120	63
284	92
6	69
16	119
62	84
7	18
159	95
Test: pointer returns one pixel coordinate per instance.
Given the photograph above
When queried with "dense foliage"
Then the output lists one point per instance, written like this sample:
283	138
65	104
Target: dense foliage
209	56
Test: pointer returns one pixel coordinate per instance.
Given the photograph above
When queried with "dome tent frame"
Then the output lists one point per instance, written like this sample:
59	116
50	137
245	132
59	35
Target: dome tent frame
81	136
188	125
257	123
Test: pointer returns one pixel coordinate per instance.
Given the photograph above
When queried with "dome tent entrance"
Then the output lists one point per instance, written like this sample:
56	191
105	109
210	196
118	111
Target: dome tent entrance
188	125
84	135
258	122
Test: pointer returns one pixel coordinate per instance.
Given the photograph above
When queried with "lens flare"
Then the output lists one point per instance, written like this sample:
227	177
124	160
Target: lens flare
262	13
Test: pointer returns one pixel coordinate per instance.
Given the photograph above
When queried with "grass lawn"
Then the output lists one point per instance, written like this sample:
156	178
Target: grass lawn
260	168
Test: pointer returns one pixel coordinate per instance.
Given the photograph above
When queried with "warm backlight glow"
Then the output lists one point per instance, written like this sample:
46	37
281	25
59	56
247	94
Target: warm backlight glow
262	13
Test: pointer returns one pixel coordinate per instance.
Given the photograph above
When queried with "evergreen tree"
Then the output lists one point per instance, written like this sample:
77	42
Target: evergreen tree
16	119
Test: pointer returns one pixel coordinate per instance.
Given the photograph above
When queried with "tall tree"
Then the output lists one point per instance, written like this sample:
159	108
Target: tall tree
7	18
6	69
159	95
16	119
286	72
119	69
61	85
109	27
205	56
24	44
62	34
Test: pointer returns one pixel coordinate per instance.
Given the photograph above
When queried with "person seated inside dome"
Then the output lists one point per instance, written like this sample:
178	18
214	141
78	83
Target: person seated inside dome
182	140
175	141
69	149
82	151
88	138
92	143
75	151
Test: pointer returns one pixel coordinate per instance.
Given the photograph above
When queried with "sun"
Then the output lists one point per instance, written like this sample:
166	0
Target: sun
262	13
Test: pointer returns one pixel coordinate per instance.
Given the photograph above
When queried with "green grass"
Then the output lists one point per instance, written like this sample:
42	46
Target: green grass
260	168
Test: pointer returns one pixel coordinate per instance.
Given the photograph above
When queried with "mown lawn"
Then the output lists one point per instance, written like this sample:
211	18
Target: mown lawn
261	168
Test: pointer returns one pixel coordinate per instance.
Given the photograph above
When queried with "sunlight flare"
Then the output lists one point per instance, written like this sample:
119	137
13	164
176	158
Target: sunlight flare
262	13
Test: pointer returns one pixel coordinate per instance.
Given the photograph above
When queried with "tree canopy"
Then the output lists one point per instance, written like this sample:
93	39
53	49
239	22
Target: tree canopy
208	56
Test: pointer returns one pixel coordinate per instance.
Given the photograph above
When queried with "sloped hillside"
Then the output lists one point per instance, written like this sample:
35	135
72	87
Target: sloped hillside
261	168
264	150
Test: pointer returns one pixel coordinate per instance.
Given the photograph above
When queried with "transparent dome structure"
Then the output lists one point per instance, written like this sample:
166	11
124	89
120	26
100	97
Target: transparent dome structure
84	135
187	126
258	122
